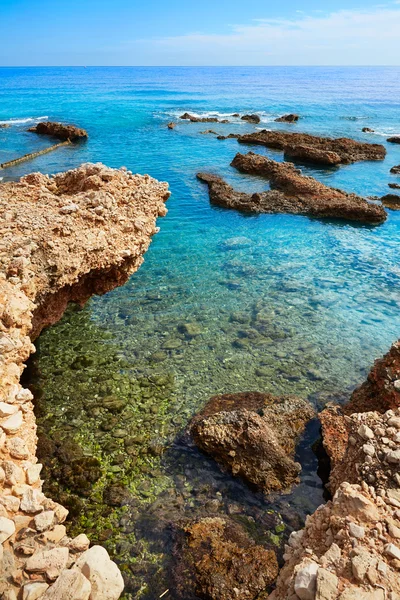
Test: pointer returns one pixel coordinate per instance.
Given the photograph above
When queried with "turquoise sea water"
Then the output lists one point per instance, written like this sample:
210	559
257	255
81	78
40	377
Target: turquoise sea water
278	303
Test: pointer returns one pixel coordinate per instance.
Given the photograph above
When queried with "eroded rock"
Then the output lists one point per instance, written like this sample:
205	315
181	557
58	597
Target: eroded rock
59	130
290	118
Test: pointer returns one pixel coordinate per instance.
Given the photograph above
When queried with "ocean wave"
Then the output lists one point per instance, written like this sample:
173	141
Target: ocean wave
23	121
388	133
175	114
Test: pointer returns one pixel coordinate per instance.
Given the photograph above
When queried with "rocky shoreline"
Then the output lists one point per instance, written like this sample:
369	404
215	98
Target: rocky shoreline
63	239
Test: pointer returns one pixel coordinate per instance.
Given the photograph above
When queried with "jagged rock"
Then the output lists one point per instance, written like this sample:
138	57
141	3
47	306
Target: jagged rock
44	520
251	118
103	574
70	585
217	560
13	423
60	131
391	201
394	139
80	543
193	119
291	118
292	193
313	155
34	590
395	170
349	150
45	561
305	584
254	436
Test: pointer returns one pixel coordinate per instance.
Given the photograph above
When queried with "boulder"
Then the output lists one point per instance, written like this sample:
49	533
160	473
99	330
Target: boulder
103	574
367	130
391	201
251	118
291	118
291	192
253	436
217	560
60	131
394	139
395	170
70	585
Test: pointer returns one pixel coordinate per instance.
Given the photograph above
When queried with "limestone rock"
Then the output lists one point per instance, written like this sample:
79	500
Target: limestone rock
7	528
71	585
103	574
48	560
13	423
305	584
34	590
327	585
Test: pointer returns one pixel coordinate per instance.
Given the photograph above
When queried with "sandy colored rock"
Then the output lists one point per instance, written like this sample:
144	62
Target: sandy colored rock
71	585
290	118
103	574
391	201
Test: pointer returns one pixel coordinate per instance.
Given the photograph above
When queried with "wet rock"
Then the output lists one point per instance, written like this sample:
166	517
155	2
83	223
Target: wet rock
103	574
113	403
171	125
191	330
236	242
291	193
216	560
253	436
251	118
209	131
394	139
188	117
172	344
59	130
395	170
313	155
291	118
349	150
391	201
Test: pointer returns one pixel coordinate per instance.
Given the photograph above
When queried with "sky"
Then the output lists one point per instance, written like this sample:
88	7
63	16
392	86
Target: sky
205	33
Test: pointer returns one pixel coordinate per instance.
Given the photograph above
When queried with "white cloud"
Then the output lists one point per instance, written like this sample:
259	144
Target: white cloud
341	38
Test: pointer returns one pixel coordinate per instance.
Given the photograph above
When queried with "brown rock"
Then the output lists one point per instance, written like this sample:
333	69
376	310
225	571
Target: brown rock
171	125
254	436
367	130
60	131
395	170
394	186
292	193
251	118
193	119
313	155
218	561
291	118
391	201
394	140
349	150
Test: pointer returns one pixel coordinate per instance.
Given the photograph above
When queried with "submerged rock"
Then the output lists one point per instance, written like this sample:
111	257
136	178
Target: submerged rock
60	131
292	193
349	150
217	560
291	118
253	436
391	201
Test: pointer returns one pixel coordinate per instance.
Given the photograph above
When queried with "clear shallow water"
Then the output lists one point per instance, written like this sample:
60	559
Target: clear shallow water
277	303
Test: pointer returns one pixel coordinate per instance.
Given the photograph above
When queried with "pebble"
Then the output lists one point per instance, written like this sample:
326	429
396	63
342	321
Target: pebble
393	456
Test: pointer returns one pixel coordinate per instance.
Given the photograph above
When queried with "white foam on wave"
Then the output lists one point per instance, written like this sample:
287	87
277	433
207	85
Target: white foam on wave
390	132
264	116
23	121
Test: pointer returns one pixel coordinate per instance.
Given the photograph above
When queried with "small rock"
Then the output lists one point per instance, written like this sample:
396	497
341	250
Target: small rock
305	583
7	528
32	501
13	423
33	473
71	585
392	551
80	543
34	590
327	585
44	520
394	422
365	432
17	448
103	574
6	410
356	531
48	561
369	449
393	457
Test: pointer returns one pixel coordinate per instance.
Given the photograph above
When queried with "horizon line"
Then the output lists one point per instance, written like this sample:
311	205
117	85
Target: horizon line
83	66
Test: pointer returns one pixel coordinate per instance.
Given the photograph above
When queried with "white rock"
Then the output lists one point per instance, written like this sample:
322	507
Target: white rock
44	520
392	551
13	473
393	457
305	583
394	422
45	560
33	473
6	410
365	432
356	531
34	590
369	449
327	585
69	209
17	448
32	501
71	585
11	503
103	574
397	385
80	543
13	423
7	528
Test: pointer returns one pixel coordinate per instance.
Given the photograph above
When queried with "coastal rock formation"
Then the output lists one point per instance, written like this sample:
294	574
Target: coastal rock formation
394	186
313	155
394	139
188	117
251	118
391	201
291	193
291	118
218	560
63	238
348	150
381	391
253	436
171	125
395	170
60	131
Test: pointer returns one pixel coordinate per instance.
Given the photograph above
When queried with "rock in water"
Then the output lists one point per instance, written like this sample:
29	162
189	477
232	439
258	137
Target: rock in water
367	130
253	436
395	170
251	118
349	150
394	140
291	193
60	131
391	201
218	561
291	118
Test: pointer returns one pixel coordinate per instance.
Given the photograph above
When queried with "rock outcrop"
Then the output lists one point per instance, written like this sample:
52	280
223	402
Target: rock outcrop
218	561
291	118
63	238
251	118
292	193
391	201
394	139
350	547
395	170
305	146
188	117
253	436
59	131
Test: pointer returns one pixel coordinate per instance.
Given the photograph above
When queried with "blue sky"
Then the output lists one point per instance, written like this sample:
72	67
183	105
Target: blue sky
210	32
